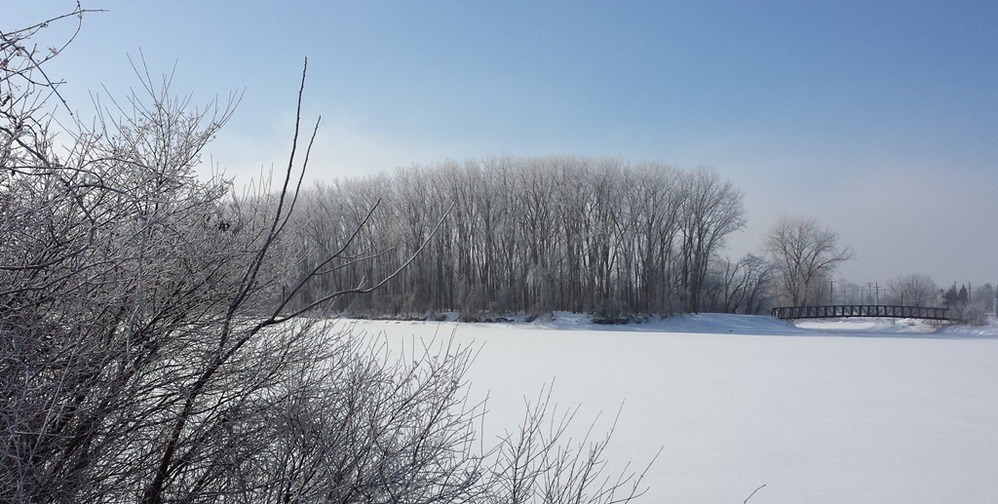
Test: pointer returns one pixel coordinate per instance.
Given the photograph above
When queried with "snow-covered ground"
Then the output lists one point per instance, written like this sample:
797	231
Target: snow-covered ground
859	411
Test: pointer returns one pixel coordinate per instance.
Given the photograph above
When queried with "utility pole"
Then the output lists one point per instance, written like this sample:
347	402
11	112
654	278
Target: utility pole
869	292
878	293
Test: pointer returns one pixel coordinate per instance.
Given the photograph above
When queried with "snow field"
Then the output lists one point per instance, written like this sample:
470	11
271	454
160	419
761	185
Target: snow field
838	412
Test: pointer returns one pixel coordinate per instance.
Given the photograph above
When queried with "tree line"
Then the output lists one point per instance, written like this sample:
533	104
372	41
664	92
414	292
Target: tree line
524	234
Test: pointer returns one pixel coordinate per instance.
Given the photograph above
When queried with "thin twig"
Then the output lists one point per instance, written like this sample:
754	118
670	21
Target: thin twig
753	493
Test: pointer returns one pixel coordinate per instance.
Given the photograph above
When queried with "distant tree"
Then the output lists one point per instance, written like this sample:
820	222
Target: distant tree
963	297
981	303
950	297
984	297
807	254
913	290
820	290
712	209
962	308
744	286
848	292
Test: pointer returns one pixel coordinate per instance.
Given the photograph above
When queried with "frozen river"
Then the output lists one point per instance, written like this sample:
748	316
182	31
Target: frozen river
858	412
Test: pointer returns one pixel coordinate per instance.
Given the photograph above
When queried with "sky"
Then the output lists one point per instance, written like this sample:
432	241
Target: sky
879	119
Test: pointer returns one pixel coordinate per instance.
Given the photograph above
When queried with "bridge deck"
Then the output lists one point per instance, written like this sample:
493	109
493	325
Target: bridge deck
843	311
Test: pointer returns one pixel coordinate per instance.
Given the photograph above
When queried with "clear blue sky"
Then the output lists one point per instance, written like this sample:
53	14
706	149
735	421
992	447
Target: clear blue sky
880	119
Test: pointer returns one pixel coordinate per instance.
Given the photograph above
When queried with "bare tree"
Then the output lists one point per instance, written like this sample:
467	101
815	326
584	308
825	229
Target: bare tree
807	254
712	209
535	235
913	290
533	464
744	286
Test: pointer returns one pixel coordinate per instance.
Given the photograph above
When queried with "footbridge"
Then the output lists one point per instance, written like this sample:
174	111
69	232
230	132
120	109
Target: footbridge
845	311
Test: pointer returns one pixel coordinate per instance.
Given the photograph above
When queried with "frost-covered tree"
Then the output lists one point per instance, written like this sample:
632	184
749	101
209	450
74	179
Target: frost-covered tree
807	254
745	286
711	210
964	307
985	297
912	290
534	235
152	347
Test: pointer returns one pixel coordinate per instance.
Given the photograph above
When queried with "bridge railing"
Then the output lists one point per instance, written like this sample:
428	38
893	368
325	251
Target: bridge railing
844	311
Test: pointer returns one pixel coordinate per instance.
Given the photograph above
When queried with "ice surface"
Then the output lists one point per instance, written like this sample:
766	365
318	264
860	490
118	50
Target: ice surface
822	412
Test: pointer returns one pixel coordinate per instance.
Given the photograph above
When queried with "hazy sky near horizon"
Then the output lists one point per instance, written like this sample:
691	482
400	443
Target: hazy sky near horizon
879	119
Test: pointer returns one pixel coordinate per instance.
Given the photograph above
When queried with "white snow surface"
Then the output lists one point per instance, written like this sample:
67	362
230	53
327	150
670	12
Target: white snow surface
850	411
